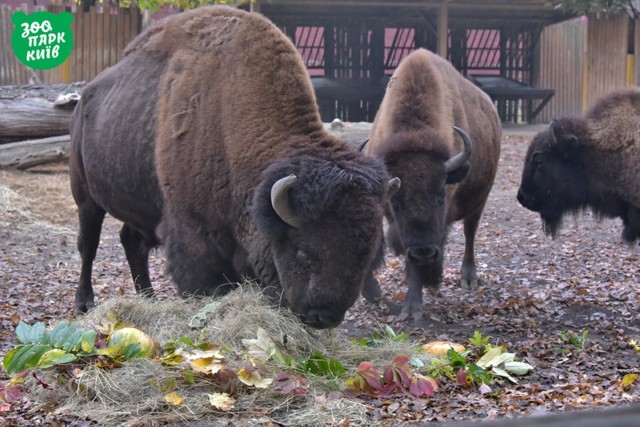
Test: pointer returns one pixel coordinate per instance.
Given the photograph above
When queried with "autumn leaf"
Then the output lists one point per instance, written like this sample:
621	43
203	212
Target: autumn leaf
173	398
397	376
422	386
291	384
221	401
462	378
250	376
628	380
366	380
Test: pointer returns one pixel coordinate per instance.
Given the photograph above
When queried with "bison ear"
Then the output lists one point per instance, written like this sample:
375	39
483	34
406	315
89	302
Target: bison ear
457	175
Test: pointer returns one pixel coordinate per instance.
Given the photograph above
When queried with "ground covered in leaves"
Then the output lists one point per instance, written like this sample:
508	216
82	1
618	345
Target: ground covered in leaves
538	297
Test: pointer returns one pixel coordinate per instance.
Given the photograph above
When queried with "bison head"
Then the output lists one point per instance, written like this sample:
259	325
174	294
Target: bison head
417	213
323	223
553	179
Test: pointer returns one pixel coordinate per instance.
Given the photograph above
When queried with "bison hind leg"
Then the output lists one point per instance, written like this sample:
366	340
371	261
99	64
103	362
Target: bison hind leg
631	221
137	248
91	217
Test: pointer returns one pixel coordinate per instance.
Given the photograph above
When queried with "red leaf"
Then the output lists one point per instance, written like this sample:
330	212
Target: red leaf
461	377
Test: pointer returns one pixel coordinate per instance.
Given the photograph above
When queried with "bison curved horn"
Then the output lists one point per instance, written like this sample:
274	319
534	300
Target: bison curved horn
459	159
552	136
394	185
280	200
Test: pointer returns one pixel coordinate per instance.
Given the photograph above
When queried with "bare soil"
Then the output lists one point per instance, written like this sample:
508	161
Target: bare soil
532	289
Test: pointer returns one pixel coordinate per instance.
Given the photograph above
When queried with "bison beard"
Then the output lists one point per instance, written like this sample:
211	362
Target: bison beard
227	165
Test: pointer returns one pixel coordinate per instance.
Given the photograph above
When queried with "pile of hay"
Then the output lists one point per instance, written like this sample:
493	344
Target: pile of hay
135	393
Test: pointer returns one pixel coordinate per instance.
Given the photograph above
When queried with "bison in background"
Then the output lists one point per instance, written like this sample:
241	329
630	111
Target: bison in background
592	161
206	137
440	135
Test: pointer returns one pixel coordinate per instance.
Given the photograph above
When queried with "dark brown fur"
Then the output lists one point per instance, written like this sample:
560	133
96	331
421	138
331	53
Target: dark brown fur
594	164
235	113
413	134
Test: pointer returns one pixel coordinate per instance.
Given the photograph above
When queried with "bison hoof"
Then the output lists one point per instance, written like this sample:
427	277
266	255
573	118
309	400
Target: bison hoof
372	295
413	310
82	308
469	284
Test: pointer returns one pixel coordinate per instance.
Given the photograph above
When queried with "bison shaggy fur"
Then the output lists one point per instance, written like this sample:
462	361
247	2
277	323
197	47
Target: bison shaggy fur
206	138
588	162
413	133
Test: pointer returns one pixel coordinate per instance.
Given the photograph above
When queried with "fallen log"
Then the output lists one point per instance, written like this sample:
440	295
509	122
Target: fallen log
37	111
22	118
25	154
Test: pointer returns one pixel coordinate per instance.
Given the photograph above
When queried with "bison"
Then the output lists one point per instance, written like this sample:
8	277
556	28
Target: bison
206	138
440	135
589	161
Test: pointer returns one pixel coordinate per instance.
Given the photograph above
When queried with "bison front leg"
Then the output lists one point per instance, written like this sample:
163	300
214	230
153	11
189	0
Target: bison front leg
468	274
412	306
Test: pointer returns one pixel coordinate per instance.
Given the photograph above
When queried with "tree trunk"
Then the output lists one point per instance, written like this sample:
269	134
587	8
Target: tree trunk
22	118
26	154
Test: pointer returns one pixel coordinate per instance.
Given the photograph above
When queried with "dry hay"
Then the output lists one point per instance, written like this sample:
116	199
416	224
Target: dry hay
134	393
29	201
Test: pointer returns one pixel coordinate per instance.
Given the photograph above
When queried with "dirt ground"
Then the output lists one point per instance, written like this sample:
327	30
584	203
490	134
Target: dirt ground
533	288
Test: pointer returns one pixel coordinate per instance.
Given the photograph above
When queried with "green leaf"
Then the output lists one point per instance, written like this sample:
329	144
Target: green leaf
132	351
199	319
478	339
518	368
456	358
88	341
30	334
502	373
24	357
55	356
319	364
491	358
478	374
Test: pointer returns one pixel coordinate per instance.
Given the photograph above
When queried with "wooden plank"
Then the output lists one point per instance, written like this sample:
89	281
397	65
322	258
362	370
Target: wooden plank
4	53
92	64
99	44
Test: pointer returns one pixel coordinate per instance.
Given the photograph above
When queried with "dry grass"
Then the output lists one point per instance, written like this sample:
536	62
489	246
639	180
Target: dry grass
137	389
40	199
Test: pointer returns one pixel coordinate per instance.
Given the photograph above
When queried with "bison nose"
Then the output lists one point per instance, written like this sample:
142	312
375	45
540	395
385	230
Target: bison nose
423	254
322	318
520	197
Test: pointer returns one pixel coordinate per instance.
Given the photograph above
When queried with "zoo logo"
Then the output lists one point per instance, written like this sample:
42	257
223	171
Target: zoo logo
42	40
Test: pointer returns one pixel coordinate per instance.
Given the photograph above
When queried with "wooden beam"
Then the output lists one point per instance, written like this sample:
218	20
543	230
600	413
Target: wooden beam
443	28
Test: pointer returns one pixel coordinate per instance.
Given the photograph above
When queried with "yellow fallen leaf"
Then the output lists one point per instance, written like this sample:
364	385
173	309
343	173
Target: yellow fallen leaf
204	354
222	401
629	379
206	366
438	348
173	398
253	379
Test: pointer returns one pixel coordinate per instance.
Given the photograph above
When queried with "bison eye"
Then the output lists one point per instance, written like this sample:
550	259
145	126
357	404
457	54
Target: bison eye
303	257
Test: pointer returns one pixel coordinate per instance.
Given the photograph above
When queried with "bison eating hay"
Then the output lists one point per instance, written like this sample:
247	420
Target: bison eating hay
206	138
591	161
440	135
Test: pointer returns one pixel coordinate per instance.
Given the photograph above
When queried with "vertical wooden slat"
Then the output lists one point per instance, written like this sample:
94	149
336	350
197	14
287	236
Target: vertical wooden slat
606	55
99	45
92	61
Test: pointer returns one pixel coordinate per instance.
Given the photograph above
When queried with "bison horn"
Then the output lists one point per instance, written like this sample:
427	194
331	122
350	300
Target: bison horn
552	136
394	186
459	159
280	200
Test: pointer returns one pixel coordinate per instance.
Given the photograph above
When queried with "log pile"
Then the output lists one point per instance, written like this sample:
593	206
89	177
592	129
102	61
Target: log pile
34	123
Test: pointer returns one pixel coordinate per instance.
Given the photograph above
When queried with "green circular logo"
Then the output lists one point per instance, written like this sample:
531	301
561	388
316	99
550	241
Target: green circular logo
42	40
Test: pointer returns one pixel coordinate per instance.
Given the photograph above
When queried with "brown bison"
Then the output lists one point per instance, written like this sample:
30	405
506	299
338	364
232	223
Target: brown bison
440	135
206	138
592	161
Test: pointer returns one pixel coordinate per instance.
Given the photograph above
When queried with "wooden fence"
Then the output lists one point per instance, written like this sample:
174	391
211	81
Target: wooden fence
100	37
585	59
